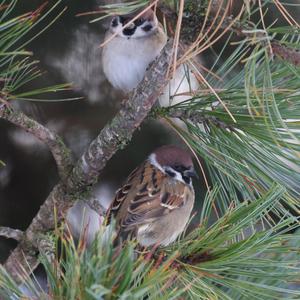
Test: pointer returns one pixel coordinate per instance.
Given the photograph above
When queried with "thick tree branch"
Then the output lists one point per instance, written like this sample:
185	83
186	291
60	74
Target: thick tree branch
112	137
11	233
118	132
58	149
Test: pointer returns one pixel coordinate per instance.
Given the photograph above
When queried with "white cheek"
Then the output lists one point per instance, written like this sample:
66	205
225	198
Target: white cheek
153	161
117	29
140	33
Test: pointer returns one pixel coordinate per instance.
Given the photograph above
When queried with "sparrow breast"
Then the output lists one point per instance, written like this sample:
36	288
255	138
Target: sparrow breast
125	60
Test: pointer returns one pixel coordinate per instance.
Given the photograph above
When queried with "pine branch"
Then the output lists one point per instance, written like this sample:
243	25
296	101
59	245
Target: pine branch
236	251
286	53
197	118
57	147
114	136
192	25
251	32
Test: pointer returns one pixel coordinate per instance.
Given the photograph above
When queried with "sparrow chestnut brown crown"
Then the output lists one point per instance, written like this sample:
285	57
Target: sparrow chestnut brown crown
172	156
155	203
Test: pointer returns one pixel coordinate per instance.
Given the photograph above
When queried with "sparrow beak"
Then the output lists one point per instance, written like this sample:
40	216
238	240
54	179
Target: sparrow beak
131	26
191	173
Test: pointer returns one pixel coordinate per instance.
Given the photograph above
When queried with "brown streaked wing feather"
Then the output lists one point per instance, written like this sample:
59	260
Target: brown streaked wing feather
161	196
122	193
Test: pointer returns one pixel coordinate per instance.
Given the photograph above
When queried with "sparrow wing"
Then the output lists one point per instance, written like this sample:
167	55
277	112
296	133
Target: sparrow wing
148	194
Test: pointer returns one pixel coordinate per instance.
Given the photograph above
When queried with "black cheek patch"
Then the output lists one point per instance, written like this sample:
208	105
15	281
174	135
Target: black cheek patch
129	31
147	28
170	173
122	20
186	179
114	22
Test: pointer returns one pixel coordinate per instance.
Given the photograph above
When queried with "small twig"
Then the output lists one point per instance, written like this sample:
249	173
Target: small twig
195	258
11	233
58	149
197	118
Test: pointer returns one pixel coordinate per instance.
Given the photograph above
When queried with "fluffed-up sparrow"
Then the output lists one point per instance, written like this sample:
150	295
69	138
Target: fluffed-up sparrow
126	57
155	203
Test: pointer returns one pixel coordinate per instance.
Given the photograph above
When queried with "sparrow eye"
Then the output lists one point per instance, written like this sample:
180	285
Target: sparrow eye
147	27
129	31
122	20
114	22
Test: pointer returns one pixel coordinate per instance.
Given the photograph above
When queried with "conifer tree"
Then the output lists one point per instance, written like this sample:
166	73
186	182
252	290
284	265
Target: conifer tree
243	121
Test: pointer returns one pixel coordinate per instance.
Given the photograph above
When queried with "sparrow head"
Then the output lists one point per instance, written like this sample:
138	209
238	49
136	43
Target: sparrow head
144	26
175	162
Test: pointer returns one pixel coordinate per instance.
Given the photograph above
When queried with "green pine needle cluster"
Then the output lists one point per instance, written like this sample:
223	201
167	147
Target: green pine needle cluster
261	91
236	257
17	68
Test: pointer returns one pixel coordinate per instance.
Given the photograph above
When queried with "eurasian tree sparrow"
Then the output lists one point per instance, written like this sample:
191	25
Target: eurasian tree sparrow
126	57
156	202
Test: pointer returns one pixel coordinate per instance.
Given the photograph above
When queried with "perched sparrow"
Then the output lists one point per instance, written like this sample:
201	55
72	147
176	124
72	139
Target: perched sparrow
156	201
126	57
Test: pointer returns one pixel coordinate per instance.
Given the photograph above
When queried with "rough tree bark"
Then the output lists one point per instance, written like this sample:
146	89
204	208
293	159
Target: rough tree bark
60	152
